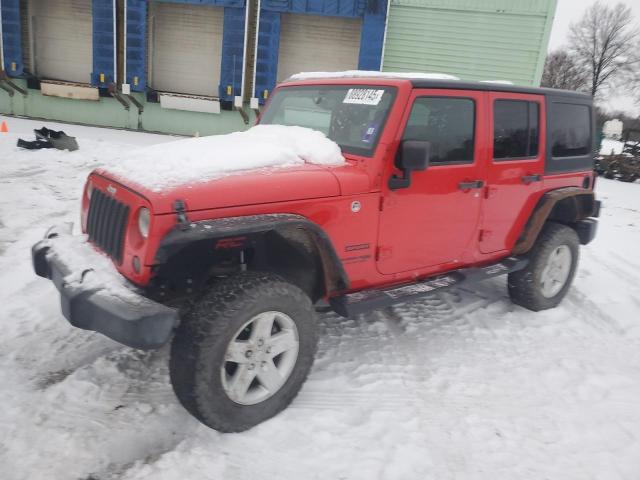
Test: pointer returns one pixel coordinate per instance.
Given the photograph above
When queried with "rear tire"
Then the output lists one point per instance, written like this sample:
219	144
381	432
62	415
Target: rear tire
552	265
242	353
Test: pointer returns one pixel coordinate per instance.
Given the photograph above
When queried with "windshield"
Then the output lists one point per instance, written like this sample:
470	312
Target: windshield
351	116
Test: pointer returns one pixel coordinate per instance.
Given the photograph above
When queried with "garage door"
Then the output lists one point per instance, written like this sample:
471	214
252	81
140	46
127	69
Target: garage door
311	43
185	48
62	40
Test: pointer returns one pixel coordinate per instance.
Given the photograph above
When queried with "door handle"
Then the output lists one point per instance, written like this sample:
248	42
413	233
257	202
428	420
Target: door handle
470	185
527	179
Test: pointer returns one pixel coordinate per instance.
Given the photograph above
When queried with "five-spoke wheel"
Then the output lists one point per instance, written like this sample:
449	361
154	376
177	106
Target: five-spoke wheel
260	358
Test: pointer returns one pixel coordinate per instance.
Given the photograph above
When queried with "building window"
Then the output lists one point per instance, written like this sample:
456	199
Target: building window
515	129
448	124
570	131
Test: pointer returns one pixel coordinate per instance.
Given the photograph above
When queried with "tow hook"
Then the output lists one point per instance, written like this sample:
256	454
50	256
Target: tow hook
181	214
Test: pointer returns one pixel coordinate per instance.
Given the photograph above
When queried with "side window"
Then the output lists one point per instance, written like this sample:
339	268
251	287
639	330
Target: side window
515	129
448	124
570	130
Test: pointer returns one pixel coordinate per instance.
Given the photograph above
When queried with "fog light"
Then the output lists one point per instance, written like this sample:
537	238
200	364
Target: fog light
136	264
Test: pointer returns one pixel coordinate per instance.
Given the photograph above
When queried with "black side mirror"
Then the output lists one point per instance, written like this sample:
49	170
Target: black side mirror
413	155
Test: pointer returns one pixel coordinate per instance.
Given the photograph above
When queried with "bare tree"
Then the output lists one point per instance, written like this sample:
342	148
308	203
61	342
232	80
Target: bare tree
605	43
562	71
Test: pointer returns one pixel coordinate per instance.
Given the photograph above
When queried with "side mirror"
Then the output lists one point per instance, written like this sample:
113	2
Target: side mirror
413	155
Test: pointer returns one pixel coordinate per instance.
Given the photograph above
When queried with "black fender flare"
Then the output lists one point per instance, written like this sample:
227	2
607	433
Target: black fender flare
577	204
240	232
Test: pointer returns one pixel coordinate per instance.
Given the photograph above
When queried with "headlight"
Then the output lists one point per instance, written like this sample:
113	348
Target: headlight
89	189
143	222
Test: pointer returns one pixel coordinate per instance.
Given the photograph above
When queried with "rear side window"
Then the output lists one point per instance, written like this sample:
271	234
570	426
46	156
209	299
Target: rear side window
448	124
515	129
571	130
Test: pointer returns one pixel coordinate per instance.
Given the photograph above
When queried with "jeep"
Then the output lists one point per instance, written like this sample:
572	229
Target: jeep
445	182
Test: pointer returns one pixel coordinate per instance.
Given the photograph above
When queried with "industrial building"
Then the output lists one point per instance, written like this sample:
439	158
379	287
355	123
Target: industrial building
207	66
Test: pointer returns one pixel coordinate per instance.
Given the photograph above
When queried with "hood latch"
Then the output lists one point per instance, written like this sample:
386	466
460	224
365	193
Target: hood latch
181	214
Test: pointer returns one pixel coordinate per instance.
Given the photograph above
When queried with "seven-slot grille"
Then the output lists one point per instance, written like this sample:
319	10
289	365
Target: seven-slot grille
107	223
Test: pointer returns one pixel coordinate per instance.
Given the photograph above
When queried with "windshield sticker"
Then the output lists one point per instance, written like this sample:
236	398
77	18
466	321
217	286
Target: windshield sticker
363	96
370	132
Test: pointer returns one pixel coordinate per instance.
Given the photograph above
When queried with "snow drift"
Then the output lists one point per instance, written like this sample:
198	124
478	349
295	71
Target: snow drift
208	158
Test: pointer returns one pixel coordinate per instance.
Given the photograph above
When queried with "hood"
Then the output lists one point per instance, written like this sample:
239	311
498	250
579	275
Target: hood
302	182
265	164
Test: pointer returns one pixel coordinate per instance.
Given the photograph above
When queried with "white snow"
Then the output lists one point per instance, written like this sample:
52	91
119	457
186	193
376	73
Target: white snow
372	73
611	147
208	158
498	82
459	386
87	266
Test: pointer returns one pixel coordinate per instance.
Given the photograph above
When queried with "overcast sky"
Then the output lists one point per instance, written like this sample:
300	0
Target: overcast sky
569	11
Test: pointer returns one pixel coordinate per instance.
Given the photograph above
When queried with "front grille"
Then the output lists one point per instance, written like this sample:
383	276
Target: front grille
107	224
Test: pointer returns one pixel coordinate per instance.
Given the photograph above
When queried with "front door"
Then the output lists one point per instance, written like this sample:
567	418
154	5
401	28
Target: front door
516	167
435	220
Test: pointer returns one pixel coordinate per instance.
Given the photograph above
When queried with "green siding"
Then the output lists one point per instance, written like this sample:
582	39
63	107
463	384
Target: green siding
108	112
489	40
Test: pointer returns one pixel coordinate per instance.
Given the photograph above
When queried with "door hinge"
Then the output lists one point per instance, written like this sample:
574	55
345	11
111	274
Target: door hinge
490	192
386	202
383	253
484	235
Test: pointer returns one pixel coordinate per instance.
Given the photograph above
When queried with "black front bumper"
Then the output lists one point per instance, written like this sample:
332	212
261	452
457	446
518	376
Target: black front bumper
113	310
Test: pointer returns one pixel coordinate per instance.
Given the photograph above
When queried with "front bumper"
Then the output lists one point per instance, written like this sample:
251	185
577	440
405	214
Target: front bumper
94	297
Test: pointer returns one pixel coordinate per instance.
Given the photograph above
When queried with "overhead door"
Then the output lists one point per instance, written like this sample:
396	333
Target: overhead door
311	43
185	48
61	36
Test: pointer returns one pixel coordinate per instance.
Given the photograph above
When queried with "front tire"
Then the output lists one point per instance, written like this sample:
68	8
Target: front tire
552	265
242	353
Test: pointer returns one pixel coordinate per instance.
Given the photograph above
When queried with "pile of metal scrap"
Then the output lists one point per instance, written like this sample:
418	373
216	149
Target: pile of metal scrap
626	165
46	138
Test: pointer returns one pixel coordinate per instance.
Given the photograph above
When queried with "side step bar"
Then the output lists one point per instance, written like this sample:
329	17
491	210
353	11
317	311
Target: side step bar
367	300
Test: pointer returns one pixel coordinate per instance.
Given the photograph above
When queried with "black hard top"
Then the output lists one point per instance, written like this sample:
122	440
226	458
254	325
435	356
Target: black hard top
444	83
494	87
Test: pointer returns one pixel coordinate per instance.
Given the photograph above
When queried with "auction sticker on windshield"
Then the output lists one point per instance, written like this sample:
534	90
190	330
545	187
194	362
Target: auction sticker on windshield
363	96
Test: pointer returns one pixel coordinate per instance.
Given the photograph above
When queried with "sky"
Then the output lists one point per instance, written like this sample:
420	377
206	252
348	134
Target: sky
569	11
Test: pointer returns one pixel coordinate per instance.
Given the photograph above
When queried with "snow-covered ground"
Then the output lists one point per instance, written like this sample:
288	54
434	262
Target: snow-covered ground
461	386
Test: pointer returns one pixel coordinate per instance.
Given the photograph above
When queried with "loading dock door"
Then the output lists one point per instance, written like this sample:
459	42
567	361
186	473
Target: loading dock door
311	43
185	48
61	32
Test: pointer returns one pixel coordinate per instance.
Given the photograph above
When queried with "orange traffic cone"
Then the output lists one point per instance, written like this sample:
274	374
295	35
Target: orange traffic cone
3	128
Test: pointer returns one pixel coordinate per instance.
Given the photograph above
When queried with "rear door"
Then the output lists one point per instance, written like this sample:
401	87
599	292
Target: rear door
435	220
516	167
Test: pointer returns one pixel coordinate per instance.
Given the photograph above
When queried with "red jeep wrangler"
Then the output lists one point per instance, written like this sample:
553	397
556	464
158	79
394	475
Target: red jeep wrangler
445	182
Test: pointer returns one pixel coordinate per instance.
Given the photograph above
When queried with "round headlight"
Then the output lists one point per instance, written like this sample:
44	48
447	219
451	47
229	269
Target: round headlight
143	222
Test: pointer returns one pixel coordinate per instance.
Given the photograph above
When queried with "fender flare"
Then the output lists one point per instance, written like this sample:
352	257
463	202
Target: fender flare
239	232
578	204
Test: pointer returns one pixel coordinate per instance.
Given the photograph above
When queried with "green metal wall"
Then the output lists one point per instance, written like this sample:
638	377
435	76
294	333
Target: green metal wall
472	39
110	113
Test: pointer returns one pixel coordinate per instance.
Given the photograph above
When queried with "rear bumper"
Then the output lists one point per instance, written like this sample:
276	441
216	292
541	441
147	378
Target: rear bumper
91	301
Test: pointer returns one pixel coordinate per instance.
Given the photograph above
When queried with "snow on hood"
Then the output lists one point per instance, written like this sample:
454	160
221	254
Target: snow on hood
208	158
372	73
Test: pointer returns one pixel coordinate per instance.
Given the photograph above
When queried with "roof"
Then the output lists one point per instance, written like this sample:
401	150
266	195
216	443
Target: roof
438	80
